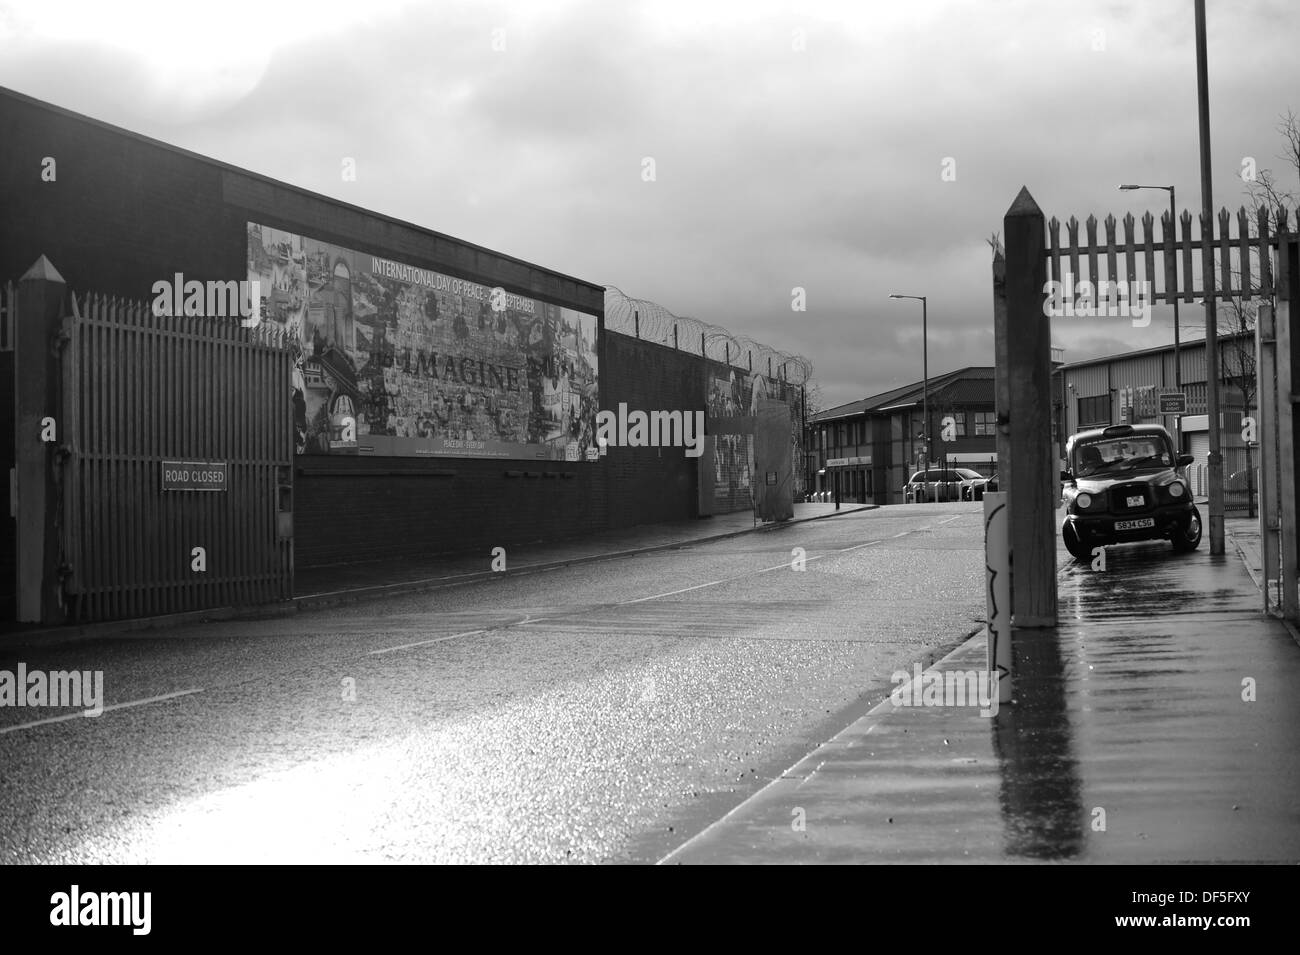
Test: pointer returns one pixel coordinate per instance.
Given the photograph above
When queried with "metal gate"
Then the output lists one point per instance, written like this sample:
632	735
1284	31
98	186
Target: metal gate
161	478
176	461
147	403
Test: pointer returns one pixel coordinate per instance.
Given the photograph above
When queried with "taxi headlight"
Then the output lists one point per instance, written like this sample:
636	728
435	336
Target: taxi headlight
1083	501
1176	489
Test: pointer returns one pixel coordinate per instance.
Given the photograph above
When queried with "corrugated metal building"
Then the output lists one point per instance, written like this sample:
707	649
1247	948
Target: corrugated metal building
1126	388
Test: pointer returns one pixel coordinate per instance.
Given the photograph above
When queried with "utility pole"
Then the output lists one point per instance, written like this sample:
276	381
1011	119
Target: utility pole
1207	267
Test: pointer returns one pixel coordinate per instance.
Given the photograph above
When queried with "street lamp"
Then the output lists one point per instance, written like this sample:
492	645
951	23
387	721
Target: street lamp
1173	226
925	386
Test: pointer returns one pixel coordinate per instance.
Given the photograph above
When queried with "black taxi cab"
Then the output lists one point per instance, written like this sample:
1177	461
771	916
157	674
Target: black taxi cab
1123	484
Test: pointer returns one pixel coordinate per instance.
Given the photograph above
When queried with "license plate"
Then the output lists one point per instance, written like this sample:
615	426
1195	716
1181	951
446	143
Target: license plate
1135	525
1134	501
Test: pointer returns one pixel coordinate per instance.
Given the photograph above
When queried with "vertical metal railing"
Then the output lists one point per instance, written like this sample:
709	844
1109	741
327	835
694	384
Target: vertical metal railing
140	389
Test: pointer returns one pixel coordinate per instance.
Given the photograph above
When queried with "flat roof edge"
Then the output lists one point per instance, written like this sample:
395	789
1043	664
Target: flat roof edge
230	167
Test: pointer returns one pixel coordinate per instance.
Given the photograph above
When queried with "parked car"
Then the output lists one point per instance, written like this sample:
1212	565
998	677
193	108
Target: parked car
1122	484
938	484
974	490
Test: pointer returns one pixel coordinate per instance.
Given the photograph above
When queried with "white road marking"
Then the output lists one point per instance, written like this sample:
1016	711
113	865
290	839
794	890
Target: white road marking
81	714
711	583
845	550
425	643
767	570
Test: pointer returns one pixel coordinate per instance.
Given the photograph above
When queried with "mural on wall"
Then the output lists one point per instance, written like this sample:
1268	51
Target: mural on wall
734	405
397	360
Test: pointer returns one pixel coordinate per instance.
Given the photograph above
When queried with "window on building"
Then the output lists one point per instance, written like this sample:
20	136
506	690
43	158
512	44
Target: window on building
985	422
959	419
1094	411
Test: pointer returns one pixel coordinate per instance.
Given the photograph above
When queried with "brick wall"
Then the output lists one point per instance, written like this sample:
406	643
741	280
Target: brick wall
651	484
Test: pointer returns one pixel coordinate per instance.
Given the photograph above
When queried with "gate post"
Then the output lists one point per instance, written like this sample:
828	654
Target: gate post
41	295
1288	360
1031	469
1001	395
1266	393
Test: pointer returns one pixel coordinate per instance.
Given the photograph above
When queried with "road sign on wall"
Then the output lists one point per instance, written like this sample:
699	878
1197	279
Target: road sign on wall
1175	402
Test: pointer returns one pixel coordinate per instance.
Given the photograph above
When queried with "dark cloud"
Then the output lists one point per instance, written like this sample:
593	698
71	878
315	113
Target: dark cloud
776	167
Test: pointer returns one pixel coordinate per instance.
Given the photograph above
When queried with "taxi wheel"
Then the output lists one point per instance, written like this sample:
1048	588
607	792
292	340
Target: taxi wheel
1189	540
1077	548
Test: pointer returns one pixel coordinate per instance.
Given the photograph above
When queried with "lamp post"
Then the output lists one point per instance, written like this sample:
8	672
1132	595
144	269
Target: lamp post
1207	272
925	384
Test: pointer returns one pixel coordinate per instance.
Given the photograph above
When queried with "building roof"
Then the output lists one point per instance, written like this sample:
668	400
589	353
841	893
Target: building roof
32	101
1184	346
973	384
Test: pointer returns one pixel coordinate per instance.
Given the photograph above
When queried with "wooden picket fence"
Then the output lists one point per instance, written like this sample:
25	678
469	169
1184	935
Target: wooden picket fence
140	389
1243	261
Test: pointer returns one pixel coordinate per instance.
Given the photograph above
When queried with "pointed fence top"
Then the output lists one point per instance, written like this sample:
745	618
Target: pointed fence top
43	269
1024	205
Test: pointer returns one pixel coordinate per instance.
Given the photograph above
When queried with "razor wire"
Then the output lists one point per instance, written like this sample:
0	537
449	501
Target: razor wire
651	322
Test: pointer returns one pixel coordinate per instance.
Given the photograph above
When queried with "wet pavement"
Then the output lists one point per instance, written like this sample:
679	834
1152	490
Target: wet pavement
1158	723
595	712
698	701
321	586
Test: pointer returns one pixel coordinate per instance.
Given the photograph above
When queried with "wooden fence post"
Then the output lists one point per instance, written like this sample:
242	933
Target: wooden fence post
1288	422
1001	396
1032	466
1266	432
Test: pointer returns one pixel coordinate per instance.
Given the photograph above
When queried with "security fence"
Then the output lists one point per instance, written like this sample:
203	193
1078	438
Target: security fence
648	321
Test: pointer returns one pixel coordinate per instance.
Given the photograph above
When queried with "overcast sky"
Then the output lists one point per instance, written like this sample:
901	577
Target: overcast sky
794	144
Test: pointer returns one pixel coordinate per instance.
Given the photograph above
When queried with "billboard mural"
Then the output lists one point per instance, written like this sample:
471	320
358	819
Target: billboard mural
397	360
731	426
739	405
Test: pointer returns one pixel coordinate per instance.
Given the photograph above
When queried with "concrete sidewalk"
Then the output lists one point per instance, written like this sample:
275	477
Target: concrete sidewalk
1130	740
1243	536
322	586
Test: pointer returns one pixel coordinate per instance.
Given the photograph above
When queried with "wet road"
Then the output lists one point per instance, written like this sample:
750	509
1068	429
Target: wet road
597	713
1155	724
